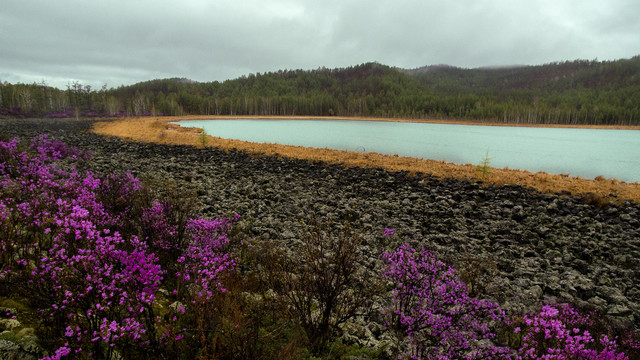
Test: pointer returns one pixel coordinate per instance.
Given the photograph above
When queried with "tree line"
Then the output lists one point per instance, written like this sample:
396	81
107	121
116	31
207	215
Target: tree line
571	92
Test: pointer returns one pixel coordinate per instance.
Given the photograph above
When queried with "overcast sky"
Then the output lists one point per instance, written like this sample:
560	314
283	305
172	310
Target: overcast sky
122	42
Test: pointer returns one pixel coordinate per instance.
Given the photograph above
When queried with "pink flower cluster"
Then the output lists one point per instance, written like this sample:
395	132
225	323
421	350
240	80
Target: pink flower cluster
433	309
66	239
55	149
204	261
439	320
157	227
557	333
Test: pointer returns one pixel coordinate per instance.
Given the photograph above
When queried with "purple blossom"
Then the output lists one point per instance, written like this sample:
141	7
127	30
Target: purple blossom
557	332
205	262
59	354
157	228
388	232
101	282
55	149
433	310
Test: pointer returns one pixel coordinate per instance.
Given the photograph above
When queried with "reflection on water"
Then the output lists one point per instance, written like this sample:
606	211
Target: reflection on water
578	152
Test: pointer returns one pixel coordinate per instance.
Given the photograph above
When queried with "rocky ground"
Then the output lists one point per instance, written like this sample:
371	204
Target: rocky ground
530	247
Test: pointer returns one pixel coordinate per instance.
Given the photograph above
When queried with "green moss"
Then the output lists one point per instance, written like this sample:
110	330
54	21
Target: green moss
26	332
8	335
13	303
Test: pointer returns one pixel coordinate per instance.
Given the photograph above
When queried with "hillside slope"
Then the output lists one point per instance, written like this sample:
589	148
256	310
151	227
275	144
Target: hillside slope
577	92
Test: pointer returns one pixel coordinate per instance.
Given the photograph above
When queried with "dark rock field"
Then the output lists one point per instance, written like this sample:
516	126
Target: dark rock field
526	248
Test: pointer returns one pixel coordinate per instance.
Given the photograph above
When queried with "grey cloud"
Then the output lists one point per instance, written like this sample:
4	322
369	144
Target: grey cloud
122	42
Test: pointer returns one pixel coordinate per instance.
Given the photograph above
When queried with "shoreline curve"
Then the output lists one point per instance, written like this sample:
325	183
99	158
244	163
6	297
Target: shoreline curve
160	130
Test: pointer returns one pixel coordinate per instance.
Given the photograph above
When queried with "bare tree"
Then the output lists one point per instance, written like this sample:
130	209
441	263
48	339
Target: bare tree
323	279
139	104
112	105
26	101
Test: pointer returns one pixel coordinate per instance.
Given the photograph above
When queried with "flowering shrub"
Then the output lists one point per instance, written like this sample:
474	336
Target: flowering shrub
204	261
558	332
160	215
103	292
156	226
433	310
55	149
388	232
67	243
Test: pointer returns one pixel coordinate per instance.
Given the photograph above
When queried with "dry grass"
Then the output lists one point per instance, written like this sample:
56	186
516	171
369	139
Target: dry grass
158	130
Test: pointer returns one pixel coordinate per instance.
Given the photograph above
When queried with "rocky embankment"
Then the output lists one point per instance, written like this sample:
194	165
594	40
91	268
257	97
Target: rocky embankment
521	247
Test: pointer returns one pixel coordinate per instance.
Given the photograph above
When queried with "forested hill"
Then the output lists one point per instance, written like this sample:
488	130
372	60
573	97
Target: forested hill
577	92
551	77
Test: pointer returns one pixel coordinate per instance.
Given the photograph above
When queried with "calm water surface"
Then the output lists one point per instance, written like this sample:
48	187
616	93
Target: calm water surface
578	152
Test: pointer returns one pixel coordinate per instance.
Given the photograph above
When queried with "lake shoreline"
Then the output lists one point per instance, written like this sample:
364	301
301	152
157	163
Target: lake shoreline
160	130
408	120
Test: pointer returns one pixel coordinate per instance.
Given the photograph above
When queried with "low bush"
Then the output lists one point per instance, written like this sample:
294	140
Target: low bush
433	311
322	279
96	281
563	331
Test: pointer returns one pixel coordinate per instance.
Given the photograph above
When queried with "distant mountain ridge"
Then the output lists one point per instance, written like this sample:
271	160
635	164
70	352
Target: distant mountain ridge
561	76
570	92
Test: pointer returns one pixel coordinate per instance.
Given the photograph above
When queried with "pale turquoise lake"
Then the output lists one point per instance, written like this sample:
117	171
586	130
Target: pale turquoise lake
577	152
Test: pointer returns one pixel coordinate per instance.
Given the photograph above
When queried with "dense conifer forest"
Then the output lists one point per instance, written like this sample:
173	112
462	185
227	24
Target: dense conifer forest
571	92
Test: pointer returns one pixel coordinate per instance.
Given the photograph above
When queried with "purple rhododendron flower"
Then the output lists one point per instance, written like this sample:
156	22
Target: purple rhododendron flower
433	309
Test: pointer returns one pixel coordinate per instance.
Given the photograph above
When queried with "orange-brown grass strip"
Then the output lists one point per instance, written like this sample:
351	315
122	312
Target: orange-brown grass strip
159	130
